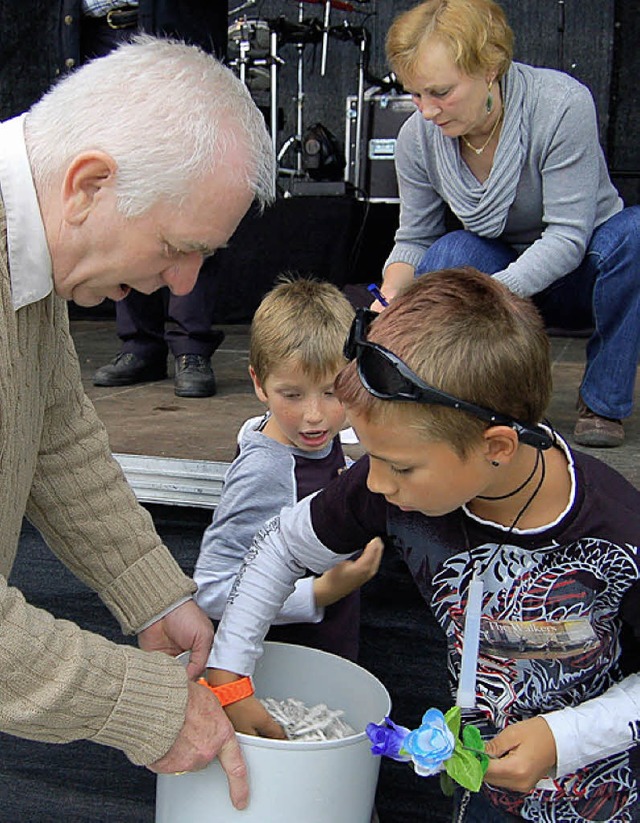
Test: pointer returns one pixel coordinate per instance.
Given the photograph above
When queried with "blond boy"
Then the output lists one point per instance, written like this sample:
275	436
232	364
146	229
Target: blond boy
296	351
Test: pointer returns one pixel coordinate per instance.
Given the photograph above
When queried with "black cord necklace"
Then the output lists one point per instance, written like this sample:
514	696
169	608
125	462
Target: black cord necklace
521	486
539	459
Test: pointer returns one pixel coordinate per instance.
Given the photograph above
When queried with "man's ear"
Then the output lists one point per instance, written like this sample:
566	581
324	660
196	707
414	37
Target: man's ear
86	177
260	394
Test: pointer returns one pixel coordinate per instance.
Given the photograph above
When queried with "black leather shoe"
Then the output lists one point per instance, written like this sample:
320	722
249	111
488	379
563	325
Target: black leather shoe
194	376
128	368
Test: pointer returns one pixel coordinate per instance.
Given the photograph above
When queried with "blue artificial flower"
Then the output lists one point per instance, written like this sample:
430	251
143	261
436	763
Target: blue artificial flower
388	739
431	744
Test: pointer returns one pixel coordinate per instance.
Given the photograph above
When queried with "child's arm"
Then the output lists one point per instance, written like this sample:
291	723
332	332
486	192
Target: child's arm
256	488
281	553
564	741
345	512
349	575
247	715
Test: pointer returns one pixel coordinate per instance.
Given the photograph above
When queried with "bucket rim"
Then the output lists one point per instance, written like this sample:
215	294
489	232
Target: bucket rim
253	741
317	745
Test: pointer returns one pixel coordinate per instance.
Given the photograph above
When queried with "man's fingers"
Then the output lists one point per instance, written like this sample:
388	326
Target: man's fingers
231	760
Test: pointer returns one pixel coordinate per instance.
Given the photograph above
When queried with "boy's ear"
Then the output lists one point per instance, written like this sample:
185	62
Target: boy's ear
87	174
501	443
260	394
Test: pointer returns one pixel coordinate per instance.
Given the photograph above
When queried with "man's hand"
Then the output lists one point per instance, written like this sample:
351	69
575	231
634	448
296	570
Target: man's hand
526	752
207	732
349	575
184	628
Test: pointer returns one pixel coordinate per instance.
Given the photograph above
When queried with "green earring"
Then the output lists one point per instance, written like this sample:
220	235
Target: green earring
489	99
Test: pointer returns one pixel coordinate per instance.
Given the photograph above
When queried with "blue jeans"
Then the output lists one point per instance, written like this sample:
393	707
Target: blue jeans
602	294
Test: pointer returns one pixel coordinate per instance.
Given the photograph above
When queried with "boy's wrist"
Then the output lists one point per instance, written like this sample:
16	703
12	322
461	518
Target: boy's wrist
232	691
220	677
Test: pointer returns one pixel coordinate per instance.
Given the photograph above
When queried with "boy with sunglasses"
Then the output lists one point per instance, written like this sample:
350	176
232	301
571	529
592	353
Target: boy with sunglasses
446	392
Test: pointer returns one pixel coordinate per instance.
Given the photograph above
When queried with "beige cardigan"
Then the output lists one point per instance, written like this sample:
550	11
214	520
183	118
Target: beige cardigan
57	682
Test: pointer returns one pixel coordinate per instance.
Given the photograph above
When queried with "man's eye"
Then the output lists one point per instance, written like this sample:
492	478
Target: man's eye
171	251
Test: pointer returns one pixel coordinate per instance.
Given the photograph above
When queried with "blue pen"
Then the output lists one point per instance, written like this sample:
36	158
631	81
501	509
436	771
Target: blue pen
379	296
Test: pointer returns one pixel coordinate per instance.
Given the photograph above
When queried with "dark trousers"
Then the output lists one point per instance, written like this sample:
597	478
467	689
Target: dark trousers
150	324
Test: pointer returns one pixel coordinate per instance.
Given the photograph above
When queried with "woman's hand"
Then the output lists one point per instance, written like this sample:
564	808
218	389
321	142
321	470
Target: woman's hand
396	277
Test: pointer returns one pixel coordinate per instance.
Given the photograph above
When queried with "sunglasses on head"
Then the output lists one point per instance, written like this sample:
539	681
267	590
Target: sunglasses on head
386	376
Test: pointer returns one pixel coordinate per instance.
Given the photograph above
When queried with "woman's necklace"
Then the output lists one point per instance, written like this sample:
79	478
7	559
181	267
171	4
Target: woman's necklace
487	141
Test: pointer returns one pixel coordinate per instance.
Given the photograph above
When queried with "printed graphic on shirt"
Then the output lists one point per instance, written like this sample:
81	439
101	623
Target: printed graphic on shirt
550	639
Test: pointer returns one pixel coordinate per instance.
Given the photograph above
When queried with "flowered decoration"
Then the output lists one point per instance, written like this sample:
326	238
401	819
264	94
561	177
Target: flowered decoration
435	748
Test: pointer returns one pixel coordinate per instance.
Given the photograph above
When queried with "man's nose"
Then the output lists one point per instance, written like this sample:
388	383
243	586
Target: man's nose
181	276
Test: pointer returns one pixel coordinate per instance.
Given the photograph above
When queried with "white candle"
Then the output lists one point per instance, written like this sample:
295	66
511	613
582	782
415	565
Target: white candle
466	697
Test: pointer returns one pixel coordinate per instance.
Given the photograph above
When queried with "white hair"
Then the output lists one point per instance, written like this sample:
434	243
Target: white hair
167	113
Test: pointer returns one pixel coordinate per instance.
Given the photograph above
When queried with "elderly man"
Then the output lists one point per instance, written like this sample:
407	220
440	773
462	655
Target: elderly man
142	162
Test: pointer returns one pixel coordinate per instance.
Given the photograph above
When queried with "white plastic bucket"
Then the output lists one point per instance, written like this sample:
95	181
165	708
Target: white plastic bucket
293	782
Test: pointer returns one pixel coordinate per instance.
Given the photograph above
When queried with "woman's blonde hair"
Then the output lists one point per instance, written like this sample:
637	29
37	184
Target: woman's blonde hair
475	32
303	320
465	333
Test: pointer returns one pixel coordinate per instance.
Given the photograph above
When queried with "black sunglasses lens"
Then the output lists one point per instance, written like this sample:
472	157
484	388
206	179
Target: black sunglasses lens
381	376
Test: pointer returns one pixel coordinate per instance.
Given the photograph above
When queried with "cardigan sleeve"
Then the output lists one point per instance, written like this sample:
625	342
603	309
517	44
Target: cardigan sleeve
59	683
569	157
87	512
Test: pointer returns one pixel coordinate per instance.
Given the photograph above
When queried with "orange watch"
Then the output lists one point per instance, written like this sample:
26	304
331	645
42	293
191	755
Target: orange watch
229	693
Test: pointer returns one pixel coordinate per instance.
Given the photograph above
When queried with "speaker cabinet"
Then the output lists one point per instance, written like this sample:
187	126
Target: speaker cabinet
382	117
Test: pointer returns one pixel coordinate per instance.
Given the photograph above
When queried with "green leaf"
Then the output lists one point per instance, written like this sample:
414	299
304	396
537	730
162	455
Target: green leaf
471	737
447	785
453	719
465	768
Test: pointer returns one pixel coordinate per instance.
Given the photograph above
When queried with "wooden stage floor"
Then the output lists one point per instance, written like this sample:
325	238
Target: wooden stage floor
149	421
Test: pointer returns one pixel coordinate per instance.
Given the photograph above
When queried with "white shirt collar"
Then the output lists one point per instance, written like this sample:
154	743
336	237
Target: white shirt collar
29	259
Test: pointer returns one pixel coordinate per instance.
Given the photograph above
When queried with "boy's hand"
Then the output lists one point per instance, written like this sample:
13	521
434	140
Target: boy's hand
526	752
251	717
247	715
349	575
